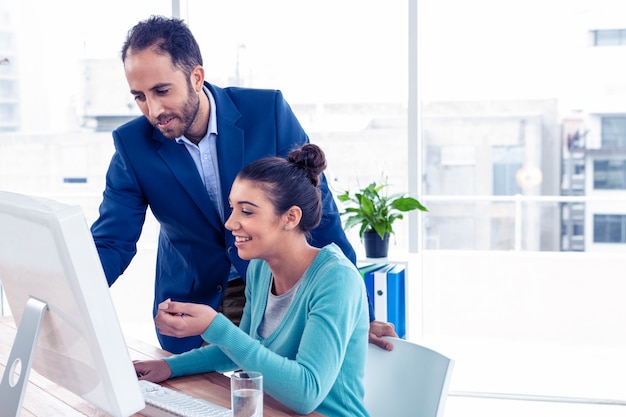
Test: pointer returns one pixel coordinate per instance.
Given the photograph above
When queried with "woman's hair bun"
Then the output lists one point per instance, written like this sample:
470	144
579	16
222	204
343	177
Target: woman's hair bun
311	158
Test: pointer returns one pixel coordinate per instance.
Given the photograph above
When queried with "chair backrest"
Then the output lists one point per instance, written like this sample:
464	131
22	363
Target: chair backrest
411	380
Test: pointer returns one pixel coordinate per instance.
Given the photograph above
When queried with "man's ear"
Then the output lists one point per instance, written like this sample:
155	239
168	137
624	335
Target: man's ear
197	78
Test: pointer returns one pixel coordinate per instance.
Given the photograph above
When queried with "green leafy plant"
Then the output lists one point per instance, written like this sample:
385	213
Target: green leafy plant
373	210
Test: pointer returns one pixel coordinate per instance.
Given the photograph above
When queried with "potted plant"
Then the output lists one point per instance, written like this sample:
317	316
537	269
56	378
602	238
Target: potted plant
374	212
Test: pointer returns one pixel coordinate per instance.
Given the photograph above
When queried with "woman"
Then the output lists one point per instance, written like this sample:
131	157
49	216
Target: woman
305	321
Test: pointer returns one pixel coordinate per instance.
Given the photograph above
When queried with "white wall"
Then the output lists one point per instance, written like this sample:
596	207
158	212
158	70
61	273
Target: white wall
541	323
556	296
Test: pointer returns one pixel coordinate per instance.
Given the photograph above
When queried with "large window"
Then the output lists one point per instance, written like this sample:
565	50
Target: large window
494	283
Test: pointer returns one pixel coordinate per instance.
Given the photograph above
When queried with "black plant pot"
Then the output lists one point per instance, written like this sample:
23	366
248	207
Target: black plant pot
375	247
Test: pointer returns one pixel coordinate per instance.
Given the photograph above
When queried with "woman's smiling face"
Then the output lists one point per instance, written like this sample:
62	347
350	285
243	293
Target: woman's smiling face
253	221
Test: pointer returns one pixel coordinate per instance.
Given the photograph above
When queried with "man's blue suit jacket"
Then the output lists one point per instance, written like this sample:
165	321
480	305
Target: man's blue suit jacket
195	251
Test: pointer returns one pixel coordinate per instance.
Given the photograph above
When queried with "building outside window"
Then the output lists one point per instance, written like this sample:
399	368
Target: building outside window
613	131
609	174
609	37
507	162
609	228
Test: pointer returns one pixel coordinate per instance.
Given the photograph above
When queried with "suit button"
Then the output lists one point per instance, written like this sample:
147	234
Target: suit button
219	288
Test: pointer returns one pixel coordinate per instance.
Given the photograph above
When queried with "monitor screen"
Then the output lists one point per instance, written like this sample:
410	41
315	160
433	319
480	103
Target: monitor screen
47	256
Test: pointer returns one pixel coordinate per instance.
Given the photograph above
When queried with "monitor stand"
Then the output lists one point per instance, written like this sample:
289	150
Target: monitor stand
15	378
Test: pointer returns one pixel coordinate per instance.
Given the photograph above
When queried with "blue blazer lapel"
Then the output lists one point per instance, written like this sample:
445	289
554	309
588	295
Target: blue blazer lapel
230	141
181	164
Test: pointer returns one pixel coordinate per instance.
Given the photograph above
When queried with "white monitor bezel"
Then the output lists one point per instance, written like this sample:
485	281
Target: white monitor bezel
80	325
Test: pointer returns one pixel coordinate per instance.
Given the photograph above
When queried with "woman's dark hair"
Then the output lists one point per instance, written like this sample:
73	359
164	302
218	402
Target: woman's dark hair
292	182
170	36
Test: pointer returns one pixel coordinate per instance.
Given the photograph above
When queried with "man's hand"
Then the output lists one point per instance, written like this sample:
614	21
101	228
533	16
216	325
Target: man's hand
378	329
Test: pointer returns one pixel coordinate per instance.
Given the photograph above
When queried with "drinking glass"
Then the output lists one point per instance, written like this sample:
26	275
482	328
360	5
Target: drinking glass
246	394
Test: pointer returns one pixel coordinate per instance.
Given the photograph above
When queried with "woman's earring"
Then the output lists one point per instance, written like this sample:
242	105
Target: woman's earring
286	227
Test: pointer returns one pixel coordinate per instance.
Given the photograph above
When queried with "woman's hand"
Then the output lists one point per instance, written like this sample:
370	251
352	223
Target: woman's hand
183	319
152	370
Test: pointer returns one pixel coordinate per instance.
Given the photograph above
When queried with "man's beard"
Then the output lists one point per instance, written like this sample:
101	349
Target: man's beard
188	114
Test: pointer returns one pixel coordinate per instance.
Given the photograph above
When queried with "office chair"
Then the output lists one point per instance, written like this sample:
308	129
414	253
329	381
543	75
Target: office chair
410	381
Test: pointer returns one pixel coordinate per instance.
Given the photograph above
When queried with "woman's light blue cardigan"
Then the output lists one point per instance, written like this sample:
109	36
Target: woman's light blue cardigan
315	359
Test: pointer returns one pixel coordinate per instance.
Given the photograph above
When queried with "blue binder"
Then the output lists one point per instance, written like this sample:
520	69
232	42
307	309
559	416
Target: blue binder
396	308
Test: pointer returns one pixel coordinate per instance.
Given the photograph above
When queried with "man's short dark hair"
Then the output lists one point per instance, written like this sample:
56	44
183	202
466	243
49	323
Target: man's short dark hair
169	36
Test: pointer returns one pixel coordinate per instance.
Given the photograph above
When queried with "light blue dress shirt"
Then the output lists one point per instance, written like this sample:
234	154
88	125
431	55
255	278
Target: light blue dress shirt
204	155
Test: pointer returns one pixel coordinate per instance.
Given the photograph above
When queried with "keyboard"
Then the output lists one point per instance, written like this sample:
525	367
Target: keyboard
166	402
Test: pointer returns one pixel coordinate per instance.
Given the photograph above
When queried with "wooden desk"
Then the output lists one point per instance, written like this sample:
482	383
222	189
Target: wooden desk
43	398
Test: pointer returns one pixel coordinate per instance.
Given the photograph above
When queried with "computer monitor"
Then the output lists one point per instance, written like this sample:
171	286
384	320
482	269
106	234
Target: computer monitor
58	294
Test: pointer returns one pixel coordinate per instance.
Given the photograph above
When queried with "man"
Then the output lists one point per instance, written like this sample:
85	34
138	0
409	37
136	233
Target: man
180	158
